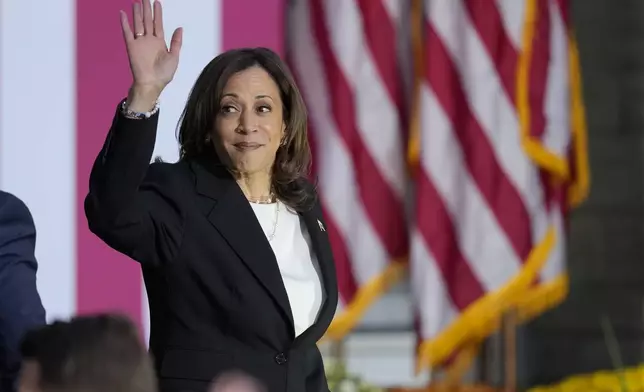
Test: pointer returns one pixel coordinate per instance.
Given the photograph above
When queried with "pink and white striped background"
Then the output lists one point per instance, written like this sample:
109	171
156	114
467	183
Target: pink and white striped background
63	69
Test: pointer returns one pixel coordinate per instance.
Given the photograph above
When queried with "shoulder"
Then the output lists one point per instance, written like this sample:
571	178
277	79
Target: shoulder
15	219
13	210
299	194
311	190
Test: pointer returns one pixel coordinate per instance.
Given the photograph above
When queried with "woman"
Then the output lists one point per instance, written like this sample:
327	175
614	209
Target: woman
231	239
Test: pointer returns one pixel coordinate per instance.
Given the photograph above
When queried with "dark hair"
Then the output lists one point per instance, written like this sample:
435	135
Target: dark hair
293	159
91	353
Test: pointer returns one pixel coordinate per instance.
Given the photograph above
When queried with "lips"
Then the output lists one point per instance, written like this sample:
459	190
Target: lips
246	146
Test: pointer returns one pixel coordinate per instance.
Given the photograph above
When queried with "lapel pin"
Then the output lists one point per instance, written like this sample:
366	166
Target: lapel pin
321	225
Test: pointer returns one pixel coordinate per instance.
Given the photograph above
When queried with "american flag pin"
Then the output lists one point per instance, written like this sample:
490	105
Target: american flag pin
321	225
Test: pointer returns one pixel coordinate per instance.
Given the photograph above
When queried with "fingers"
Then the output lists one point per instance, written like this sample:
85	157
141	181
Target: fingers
137	19
148	21
158	19
128	36
175	42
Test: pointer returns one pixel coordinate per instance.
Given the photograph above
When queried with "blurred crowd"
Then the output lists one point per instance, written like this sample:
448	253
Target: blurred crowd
98	353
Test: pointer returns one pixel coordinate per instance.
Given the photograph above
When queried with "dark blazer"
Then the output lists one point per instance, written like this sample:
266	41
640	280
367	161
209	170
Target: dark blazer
217	301
20	305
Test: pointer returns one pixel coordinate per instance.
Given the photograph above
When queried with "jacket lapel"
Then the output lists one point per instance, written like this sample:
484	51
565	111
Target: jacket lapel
320	242
229	212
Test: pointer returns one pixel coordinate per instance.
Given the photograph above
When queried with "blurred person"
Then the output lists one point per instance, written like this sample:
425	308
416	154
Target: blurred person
20	305
100	353
236	260
235	382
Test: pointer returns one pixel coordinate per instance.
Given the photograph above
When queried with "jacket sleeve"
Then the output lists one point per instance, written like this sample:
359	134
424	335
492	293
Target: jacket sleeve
20	306
133	205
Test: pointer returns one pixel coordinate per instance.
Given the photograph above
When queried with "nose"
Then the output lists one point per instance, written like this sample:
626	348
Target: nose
247	122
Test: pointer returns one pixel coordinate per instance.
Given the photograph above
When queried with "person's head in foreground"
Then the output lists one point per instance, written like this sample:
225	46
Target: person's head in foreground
235	382
87	354
246	108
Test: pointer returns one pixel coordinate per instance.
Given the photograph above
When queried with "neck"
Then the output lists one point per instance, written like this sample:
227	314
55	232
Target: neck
256	187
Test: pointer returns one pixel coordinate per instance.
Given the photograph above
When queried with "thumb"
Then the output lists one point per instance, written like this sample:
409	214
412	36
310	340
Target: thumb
175	41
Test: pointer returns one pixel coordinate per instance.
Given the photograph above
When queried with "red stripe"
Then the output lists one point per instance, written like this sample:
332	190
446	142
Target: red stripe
435	226
347	285
107	281
501	196
252	23
488	22
564	8
538	73
538	80
381	205
489	25
381	35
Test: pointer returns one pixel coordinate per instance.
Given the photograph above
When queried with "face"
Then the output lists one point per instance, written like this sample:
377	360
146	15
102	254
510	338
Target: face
29	377
250	124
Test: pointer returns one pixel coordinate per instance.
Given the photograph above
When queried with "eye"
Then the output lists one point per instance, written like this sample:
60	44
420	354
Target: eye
264	109
228	109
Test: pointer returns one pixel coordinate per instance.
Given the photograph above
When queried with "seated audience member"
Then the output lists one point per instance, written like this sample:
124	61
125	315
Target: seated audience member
87	354
20	305
236	382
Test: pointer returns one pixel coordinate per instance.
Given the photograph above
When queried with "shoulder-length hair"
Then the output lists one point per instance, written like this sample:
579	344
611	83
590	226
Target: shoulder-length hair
293	159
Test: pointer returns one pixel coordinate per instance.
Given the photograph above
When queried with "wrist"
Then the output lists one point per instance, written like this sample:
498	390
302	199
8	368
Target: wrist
127	112
142	98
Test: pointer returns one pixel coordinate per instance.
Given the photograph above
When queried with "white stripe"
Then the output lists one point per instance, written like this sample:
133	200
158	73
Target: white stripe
557	134
513	16
202	36
145	314
482	242
202	42
337	174
435	308
396	9
377	117
490	105
556	262
556	137
38	136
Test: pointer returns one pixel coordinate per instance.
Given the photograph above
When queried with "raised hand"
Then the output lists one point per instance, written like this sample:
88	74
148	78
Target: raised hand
153	64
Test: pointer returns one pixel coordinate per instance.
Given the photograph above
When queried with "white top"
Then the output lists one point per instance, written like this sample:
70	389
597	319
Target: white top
296	259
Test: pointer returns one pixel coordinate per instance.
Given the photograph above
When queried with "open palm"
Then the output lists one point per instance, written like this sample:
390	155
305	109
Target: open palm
153	64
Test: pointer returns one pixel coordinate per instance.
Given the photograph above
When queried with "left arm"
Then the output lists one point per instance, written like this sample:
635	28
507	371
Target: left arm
20	307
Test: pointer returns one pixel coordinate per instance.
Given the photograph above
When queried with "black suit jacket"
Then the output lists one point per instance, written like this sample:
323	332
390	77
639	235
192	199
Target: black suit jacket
20	305
217	301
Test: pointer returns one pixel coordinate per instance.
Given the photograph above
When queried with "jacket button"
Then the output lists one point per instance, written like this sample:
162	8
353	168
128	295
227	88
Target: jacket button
280	359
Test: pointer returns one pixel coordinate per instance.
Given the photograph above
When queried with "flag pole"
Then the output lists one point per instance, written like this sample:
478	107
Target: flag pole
510	322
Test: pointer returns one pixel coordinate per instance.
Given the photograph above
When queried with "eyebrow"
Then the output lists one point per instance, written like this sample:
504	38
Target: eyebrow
261	96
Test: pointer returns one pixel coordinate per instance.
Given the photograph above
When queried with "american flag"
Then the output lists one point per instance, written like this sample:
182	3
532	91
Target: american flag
63	70
349	60
501	158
